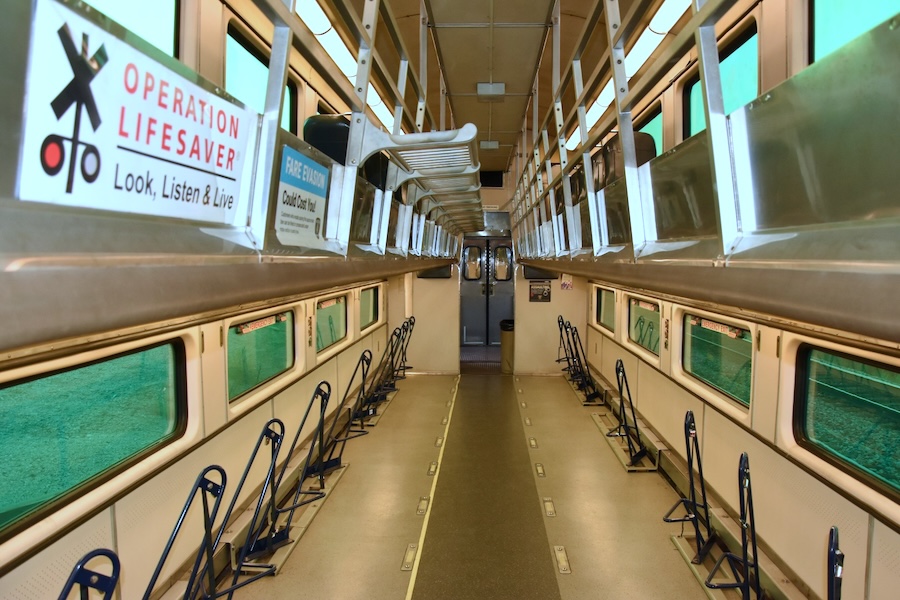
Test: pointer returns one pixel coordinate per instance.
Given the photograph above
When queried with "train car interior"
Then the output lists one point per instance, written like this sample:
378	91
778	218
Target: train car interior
450	299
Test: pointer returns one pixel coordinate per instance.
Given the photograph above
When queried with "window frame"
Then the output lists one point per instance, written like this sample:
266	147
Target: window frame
176	24
596	322
625	318
509	262
734	409
250	41
727	45
250	318
683	315
838	479
655	109
810	30
465	262
328	351
379	313
800	397
185	430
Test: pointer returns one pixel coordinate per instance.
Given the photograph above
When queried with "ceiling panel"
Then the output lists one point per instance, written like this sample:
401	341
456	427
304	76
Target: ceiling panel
504	53
460	11
513	11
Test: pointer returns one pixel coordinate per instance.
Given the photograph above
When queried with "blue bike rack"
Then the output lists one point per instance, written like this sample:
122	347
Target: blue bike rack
401	370
392	366
345	433
206	488
270	535
88	579
697	512
383	378
744	568
636	449
564	347
835	566
584	379
273	435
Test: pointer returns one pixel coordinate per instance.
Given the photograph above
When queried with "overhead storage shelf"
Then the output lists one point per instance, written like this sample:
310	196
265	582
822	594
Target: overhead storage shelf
442	164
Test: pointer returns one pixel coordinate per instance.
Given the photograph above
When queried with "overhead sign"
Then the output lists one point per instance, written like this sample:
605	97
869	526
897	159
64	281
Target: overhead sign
300	204
108	127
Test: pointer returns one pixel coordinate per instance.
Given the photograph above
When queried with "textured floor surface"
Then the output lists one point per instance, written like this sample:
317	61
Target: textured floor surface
486	534
479	360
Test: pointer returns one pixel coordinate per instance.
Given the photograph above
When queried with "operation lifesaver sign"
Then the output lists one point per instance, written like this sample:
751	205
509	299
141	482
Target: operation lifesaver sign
107	127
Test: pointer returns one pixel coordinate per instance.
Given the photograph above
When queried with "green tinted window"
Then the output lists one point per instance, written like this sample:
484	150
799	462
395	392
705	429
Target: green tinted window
368	307
643	324
833	23
331	322
258	351
849	411
62	431
718	355
246	78
654	128
606	308
740	82
154	21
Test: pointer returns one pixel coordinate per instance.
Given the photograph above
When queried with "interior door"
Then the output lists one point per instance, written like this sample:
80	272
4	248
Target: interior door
501	288
487	289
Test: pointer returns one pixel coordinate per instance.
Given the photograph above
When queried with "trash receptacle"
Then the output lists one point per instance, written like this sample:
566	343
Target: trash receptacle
507	345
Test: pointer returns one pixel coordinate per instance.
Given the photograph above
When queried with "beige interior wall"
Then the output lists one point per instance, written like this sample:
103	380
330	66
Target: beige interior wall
495	197
434	347
537	332
396	300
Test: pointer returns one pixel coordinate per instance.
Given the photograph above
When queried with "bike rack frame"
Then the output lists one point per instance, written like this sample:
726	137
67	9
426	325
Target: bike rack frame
744	570
88	579
835	566
697	513
204	487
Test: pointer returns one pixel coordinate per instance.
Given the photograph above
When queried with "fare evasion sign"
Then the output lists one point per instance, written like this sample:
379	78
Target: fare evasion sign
107	127
302	190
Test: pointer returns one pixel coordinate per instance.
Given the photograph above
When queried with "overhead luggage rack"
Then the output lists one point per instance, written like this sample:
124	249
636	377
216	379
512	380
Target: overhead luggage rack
442	164
445	152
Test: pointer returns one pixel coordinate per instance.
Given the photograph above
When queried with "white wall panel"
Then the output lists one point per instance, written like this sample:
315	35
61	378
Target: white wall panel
885	557
611	353
537	329
215	389
592	346
434	347
764	407
291	404
664	405
44	575
346	363
793	510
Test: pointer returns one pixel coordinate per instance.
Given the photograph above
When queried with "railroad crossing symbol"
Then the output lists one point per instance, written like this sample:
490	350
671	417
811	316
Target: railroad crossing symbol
77	92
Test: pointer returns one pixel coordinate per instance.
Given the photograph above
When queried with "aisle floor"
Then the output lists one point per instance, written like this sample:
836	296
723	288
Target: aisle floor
486	533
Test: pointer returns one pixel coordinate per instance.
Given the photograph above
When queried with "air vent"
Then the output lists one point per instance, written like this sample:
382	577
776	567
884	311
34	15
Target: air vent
489	144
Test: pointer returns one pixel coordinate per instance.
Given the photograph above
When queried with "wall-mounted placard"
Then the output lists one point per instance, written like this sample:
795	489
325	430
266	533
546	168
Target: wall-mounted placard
539	291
